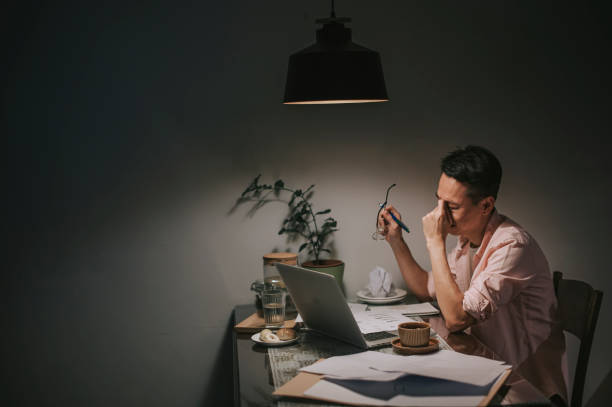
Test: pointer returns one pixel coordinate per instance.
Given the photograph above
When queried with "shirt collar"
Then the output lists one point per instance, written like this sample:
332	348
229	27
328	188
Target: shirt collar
495	220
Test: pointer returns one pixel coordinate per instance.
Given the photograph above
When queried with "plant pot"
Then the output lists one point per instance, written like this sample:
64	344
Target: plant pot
331	267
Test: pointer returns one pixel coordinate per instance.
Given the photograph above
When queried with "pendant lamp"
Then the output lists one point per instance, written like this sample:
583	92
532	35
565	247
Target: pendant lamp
334	69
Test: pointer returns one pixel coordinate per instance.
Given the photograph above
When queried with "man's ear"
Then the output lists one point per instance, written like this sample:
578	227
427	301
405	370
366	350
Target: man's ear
487	204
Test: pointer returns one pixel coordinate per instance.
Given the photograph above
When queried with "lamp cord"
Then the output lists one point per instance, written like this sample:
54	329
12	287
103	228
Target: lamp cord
333	9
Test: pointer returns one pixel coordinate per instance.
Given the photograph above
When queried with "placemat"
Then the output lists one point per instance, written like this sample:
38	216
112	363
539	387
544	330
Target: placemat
255	323
286	361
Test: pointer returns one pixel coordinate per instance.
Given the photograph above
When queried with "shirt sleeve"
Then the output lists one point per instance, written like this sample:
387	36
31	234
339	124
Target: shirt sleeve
506	273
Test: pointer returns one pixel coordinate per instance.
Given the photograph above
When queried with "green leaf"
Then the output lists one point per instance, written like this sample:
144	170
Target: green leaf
302	247
280	232
323	212
252	185
278	187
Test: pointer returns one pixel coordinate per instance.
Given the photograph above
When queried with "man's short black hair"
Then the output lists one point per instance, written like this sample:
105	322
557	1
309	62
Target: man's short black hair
476	167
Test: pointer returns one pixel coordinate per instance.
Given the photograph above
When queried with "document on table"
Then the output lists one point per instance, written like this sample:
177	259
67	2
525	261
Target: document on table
377	319
374	378
444	364
422	308
407	391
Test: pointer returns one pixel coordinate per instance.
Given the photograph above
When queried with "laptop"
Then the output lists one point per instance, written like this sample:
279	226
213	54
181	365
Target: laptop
322	306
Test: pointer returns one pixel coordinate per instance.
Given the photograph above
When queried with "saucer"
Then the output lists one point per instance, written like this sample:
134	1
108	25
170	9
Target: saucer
415	350
255	338
365	296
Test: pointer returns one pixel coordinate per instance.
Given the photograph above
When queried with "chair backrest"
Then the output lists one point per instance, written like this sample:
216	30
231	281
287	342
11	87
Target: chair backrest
579	307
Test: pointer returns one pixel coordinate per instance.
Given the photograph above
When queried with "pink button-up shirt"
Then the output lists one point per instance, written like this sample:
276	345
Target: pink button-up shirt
508	289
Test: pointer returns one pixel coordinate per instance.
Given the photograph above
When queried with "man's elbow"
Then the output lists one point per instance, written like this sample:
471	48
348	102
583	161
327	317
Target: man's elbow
423	296
456	324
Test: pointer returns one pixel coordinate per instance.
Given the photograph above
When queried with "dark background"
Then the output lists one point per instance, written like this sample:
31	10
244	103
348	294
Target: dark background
129	129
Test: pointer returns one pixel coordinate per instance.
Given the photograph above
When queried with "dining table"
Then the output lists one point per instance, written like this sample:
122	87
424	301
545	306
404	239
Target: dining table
259	370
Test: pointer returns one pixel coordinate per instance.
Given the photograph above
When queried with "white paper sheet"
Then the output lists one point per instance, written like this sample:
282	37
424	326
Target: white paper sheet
330	391
377	319
422	308
448	365
356	366
444	364
444	378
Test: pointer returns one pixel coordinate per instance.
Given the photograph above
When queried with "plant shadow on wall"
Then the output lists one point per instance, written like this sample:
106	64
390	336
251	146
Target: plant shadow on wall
300	223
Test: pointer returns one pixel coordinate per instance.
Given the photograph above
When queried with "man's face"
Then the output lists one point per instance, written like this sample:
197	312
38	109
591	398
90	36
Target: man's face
467	216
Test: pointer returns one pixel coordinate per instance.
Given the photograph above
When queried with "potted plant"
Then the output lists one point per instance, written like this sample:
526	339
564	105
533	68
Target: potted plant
302	222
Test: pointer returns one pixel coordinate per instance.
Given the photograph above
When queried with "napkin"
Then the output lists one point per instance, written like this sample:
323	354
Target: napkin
380	282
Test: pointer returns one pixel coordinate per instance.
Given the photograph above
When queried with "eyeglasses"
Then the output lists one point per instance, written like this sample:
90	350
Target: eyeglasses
378	235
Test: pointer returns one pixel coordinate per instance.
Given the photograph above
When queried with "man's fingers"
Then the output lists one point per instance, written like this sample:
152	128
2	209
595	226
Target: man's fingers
388	219
444	210
391	208
449	215
389	222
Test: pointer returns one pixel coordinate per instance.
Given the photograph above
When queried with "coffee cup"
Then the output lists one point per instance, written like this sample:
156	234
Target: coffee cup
414	333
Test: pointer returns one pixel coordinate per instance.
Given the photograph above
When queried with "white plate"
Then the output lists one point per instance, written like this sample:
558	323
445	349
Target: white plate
364	296
255	338
398	292
380	302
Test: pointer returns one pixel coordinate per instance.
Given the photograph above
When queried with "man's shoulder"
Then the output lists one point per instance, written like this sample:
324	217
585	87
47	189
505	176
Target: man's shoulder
525	248
509	230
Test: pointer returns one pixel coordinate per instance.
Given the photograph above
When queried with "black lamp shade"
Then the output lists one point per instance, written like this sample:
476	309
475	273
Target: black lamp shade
335	70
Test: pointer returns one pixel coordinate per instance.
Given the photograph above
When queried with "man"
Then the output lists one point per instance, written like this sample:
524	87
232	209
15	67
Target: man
496	282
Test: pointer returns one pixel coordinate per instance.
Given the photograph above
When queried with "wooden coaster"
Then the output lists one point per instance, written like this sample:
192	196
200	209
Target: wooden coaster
415	350
255	323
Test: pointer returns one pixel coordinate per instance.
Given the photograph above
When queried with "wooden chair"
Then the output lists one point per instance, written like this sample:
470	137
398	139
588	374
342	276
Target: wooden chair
603	394
578	309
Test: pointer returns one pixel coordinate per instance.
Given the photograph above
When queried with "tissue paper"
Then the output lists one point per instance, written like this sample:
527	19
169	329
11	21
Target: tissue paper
380	284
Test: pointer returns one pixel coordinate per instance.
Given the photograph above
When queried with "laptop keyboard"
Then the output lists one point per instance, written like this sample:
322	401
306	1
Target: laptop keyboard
374	336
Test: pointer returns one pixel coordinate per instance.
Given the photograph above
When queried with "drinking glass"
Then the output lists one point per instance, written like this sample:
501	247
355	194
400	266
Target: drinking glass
273	302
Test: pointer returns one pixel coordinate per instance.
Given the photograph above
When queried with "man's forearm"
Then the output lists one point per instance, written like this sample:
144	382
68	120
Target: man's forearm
450	298
414	276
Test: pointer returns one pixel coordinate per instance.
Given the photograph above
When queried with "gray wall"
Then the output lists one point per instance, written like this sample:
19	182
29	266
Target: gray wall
132	130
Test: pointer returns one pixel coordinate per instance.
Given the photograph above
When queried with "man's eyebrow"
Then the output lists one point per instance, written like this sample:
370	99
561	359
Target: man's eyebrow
448	202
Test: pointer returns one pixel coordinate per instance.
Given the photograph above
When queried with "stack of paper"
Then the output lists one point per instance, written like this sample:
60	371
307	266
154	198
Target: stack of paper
423	308
374	378
375	319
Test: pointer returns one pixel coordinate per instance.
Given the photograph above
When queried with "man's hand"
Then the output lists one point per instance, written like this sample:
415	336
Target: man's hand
391	230
435	224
